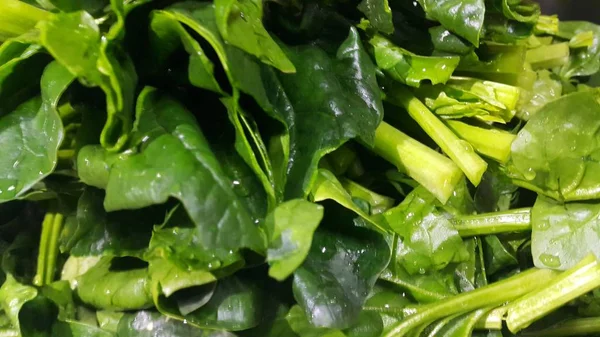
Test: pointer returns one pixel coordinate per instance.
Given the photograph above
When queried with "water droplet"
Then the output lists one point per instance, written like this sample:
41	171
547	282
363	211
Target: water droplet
542	225
529	174
422	271
551	261
323	250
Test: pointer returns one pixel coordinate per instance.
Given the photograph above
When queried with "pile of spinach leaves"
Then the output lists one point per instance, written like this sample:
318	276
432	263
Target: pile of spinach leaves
298	168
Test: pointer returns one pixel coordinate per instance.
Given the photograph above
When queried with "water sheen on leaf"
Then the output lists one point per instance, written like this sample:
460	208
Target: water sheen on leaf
464	18
338	274
557	153
178	162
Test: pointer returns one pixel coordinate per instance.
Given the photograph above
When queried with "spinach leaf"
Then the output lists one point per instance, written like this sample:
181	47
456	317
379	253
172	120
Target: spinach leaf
107	286
563	234
240	24
236	304
582	61
290	228
178	162
345	104
444	41
13	295
556	153
464	18
424	288
96	232
338	274
153	324
21	66
428	240
96	61
369	324
30	157
546	88
379	14
409	68
518	10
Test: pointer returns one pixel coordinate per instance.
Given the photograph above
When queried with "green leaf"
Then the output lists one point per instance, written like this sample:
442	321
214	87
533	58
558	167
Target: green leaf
21	66
111	287
379	14
96	232
236	304
333	283
563	234
93	164
177	162
556	153
428	240
75	41
582	61
518	10
240	24
290	228
445	41
345	105
13	295
153	324
546	88
464	18
168	278
496	192
78	329
409	68
327	186
32	134
369	324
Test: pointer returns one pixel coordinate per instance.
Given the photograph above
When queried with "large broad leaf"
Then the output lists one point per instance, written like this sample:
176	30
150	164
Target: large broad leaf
464	18
240	24
563	234
75	41
582	61
115	284
96	232
428	240
31	136
290	228
333	283
345	104
242	72
379	14
409	68
557	153
177	162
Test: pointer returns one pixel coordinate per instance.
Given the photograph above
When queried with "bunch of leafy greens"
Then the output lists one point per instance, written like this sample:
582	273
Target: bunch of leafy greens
298	168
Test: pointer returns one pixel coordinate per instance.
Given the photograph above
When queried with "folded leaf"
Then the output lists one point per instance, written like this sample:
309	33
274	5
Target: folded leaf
464	18
379	14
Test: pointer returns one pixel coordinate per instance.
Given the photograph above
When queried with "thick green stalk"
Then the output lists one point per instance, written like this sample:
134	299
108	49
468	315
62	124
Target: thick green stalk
438	174
17	18
494	294
460	151
574	327
489	142
547	24
514	220
379	203
582	278
492	320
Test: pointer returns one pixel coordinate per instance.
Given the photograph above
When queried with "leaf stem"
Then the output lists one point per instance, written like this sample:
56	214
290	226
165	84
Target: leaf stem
57	225
583	277
439	176
47	223
494	294
574	327
489	142
514	220
458	150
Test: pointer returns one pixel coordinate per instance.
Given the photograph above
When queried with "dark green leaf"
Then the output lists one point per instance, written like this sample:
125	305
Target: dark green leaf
153	324
518	10
338	274
379	14
445	41
557	152
178	162
240	24
428	240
